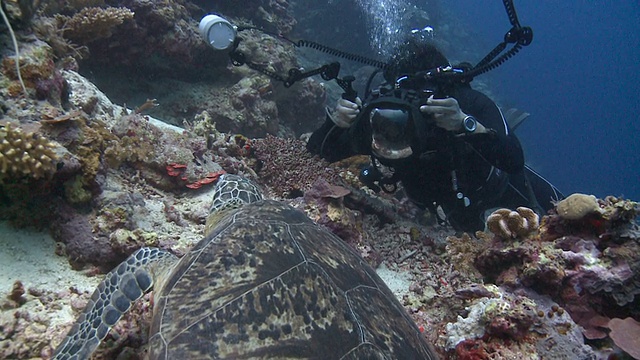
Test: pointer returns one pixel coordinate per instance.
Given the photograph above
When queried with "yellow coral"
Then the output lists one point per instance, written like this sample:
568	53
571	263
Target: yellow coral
510	224
25	153
576	206
93	23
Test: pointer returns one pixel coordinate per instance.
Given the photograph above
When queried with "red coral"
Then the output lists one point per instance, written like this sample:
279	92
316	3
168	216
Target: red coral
211	177
471	349
175	169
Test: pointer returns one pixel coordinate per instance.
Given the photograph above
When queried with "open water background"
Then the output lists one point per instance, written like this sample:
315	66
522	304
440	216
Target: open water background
580	81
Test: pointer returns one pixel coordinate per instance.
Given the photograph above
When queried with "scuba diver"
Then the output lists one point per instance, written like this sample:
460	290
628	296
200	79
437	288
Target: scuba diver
447	144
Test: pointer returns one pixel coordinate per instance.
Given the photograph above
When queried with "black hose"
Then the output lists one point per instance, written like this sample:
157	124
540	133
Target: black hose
511	13
339	53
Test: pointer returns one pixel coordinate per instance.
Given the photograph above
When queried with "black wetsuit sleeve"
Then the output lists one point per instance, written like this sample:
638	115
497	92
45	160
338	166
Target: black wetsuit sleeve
331	142
500	147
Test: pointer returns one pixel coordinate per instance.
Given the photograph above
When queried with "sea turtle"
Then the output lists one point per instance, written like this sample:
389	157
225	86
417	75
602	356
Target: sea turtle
266	282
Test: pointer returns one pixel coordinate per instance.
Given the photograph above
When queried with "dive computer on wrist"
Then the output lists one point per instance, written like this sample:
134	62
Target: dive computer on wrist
469	124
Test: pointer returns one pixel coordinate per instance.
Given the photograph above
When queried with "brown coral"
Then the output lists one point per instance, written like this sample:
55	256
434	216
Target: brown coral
93	23
510	224
288	168
577	206
25	153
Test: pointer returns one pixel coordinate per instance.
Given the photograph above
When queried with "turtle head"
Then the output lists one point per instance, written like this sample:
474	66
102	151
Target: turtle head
233	191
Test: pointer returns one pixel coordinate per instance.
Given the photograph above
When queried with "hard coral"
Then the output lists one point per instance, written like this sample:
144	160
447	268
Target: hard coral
93	23
25	154
288	168
577	206
510	224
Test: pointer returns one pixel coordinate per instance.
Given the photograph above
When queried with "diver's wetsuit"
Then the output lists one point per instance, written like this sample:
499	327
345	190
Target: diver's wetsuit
480	161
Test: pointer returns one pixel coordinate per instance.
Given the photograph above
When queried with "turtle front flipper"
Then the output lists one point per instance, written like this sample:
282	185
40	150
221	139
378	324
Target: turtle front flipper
125	284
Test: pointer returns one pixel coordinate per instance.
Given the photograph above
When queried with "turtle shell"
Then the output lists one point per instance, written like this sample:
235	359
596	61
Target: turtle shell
267	283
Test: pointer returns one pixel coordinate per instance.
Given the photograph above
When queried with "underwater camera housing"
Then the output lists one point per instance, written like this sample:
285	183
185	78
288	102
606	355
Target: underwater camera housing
394	114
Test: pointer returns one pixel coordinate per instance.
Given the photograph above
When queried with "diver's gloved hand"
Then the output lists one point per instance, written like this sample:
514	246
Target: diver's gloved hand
446	113
346	112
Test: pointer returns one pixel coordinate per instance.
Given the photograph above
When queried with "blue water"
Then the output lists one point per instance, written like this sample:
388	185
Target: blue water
580	81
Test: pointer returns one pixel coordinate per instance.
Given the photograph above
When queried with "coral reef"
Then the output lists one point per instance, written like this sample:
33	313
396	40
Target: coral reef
577	206
276	16
507	325
513	224
34	326
92	23
16	49
325	204
36	65
279	169
68	6
161	36
25	154
120	179
81	244
302	107
625	333
585	256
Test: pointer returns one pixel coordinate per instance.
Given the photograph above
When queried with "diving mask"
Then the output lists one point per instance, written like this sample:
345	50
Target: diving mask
391	133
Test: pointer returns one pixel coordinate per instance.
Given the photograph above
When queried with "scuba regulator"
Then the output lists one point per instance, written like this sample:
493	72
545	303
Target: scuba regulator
393	109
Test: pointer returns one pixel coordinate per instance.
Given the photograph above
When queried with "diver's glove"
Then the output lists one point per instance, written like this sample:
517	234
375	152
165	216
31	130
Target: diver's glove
346	112
446	113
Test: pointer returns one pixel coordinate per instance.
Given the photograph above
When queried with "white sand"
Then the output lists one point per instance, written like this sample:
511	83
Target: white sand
398	282
29	256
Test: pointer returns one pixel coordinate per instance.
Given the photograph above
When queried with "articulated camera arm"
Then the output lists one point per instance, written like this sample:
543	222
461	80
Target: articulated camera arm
327	71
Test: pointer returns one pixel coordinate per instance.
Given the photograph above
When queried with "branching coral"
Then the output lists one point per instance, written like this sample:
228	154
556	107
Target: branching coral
93	23
510	224
288	168
64	7
25	154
